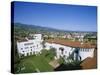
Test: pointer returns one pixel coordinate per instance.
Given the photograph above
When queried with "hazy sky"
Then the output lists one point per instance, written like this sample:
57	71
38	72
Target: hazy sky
65	17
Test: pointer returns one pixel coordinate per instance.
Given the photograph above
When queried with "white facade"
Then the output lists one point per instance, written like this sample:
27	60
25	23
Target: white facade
83	53
38	37
86	52
34	46
30	47
67	50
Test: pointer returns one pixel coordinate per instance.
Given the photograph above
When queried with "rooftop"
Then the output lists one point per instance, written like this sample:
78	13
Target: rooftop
24	39
71	43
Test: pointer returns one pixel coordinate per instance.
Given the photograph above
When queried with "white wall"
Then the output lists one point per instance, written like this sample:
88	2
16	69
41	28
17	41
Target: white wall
34	46
84	54
38	36
67	50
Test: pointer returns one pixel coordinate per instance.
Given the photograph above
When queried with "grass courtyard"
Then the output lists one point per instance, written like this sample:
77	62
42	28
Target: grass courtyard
39	63
44	62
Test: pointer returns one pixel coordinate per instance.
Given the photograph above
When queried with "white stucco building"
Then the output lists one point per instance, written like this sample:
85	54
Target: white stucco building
31	46
67	49
75	50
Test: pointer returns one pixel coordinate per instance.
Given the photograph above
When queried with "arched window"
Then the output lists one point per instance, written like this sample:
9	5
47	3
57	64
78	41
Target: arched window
62	50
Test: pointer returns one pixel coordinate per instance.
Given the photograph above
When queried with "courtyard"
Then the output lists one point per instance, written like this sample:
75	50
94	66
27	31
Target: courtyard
37	63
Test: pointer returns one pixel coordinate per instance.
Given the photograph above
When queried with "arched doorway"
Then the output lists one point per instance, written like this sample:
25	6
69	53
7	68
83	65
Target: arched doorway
76	54
62	50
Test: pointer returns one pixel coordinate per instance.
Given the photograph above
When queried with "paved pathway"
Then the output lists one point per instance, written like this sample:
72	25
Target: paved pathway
54	63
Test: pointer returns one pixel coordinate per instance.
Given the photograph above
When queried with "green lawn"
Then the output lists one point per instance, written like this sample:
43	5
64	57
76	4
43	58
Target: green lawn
40	63
33	63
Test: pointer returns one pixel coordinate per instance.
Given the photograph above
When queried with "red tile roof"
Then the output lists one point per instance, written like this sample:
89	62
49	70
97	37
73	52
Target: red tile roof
71	43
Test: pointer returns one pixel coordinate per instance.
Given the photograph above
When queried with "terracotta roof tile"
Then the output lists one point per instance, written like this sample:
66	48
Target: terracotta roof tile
71	43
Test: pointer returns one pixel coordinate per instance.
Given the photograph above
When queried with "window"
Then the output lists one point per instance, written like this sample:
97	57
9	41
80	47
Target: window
28	43
88	50
51	47
83	50
26	47
62	49
21	48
